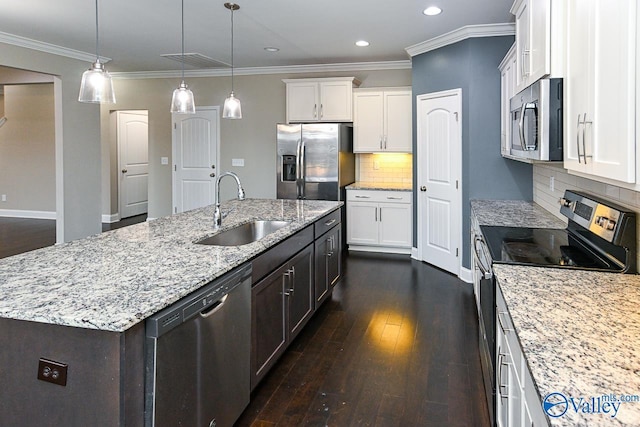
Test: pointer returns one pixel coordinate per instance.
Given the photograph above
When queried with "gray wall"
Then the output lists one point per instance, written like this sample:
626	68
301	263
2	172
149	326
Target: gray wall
78	183
252	138
472	65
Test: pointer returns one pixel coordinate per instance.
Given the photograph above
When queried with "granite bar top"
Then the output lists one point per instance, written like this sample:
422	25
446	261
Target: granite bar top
388	186
514	213
580	334
113	280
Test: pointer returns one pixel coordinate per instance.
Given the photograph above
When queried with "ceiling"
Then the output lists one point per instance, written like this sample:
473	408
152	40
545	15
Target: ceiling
135	33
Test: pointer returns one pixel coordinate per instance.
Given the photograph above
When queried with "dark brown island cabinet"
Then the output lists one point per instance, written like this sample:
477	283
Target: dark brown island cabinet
106	378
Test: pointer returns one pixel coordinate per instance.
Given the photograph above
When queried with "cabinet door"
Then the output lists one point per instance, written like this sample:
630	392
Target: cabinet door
597	37
302	101
299	290
362	223
328	265
368	122
540	39
397	121
269	328
395	224
336	101
522	45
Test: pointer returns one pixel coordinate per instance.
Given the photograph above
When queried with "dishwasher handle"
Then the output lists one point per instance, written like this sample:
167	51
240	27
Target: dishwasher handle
214	307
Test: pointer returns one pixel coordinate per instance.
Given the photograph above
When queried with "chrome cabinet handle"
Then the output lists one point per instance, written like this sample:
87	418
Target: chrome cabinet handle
328	223
321	111
578	139
381	142
504	395
380	214
376	214
385	142
285	281
315	111
394	198
500	321
363	197
584	131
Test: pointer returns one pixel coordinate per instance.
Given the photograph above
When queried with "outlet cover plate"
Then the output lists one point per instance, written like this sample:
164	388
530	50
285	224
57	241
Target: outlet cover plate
52	371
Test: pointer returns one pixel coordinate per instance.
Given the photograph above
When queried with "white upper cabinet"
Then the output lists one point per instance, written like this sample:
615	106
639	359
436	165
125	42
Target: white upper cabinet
507	90
320	100
600	89
538	40
382	120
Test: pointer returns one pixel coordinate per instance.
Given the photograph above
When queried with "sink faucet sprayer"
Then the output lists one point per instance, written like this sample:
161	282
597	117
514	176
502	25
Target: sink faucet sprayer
217	215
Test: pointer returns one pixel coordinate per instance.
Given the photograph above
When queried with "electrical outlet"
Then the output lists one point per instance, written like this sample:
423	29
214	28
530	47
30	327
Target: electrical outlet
237	162
376	165
164	160
552	183
4	197
52	371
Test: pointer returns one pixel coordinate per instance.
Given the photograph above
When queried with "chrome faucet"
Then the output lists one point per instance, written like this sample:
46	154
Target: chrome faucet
217	215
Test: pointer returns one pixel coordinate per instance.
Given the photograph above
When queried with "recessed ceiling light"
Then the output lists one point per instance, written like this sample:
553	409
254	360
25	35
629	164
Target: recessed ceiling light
271	49
362	43
432	10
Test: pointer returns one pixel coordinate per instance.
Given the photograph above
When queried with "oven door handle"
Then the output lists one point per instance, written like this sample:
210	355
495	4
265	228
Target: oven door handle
523	140
486	272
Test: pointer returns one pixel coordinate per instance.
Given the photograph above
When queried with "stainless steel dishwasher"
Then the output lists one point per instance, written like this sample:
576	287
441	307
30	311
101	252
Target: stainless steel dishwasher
197	356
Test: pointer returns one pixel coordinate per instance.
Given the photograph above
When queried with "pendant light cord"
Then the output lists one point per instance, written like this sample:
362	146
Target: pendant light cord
97	34
232	48
183	40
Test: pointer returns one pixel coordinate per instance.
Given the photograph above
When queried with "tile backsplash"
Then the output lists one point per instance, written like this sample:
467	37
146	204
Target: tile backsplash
384	167
562	180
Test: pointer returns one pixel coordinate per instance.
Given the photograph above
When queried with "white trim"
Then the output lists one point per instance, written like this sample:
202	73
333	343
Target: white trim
466	275
53	49
16	213
380	249
463	33
59	158
415	254
249	71
110	219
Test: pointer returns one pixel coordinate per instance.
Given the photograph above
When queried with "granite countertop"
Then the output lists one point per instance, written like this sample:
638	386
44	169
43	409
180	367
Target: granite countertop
580	334
514	213
389	186
113	280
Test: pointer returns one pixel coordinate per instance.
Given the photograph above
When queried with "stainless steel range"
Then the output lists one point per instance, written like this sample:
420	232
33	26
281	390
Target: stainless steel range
600	236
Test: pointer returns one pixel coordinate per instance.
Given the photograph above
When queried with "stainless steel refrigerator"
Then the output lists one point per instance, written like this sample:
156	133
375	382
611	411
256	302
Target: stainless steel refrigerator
314	160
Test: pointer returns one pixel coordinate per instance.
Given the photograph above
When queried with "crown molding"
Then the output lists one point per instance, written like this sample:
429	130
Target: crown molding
49	48
463	33
249	71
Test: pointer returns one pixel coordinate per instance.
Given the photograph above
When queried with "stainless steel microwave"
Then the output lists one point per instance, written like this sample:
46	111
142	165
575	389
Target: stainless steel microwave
536	121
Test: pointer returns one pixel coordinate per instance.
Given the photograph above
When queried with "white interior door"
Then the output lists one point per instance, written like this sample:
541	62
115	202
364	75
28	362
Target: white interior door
195	158
439	145
133	162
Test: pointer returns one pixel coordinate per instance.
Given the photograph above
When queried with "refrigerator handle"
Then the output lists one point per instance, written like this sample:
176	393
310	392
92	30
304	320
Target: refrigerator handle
303	175
298	169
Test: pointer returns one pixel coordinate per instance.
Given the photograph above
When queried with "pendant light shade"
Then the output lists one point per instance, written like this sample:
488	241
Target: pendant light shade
183	101
232	108
97	86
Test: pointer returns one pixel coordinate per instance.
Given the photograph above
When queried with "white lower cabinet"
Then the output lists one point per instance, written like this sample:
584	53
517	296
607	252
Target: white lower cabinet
517	401
379	221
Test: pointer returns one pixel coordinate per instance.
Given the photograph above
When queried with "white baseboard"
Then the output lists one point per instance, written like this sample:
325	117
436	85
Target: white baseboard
15	213
109	219
380	249
414	254
466	275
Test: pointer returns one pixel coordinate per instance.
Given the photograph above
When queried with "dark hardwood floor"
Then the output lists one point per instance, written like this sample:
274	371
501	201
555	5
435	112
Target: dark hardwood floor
18	235
395	346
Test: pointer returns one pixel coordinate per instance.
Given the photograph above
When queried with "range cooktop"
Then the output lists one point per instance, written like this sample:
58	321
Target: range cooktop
546	247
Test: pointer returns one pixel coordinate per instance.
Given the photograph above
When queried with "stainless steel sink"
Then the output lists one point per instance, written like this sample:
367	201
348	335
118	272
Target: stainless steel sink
243	234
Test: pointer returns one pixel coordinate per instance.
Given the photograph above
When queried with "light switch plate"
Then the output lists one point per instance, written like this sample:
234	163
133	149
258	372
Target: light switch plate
237	162
164	160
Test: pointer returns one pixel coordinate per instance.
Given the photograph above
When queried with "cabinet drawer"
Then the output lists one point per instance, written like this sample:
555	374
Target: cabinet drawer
274	257
379	196
328	222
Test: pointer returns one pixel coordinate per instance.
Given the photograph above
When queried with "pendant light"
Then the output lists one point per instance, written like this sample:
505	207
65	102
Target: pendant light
232	108
96	85
182	101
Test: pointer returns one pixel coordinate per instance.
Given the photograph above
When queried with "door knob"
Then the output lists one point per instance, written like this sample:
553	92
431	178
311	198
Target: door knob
212	175
423	188
124	171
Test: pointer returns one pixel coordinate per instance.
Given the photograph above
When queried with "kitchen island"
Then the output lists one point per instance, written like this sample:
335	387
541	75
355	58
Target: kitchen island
83	303
577	331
